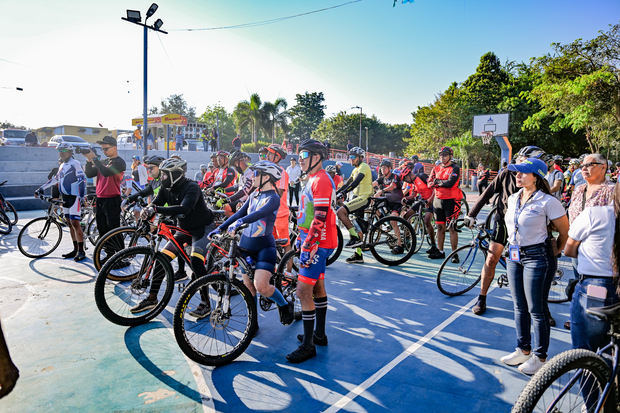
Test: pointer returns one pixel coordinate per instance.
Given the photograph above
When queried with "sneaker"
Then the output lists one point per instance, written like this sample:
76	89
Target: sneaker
455	259
354	242
302	353
316	340
432	250
71	254
480	307
120	264
79	256
180	276
516	357
435	255
287	314
355	258
201	311
531	366
398	249
144	305
551	321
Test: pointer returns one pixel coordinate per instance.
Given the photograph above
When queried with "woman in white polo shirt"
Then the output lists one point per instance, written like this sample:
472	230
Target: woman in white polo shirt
528	215
594	238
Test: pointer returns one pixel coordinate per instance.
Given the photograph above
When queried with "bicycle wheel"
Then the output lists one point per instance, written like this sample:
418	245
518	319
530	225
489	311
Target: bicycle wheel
5	223
114	241
563	274
384	240
128	278
39	237
91	231
10	212
222	336
286	281
456	278
569	382
334	256
419	228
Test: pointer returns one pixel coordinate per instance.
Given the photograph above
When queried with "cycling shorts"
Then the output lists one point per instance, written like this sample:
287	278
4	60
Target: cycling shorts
446	210
500	233
357	205
71	207
264	258
394	206
316	270
280	229
199	243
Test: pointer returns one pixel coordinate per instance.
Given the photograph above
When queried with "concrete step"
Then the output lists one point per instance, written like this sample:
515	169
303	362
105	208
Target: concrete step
24	178
30	166
27	203
9	191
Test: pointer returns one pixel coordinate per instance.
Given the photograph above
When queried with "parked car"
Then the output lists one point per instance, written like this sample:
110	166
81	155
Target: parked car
13	137
73	140
125	141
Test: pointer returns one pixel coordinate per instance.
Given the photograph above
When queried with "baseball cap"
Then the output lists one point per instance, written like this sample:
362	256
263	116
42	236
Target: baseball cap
530	166
135	157
108	140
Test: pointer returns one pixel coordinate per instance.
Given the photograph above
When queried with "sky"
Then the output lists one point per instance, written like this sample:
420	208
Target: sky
80	64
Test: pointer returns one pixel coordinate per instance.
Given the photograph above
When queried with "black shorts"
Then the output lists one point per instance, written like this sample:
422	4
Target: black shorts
500	233
393	206
446	210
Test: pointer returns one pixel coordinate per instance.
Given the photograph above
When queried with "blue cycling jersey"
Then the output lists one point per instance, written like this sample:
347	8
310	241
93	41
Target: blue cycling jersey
260	212
70	178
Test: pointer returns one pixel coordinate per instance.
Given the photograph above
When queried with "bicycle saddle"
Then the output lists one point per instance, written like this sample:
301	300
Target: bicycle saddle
610	312
282	241
294	208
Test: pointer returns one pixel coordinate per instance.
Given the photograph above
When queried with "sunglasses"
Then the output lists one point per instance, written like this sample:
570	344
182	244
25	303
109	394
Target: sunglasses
352	156
262	155
106	149
590	165
304	155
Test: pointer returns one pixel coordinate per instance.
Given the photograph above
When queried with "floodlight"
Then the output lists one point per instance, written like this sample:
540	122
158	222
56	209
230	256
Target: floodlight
158	23
151	11
134	16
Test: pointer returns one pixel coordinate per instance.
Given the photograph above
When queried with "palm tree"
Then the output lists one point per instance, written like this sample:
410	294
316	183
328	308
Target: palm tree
248	113
274	115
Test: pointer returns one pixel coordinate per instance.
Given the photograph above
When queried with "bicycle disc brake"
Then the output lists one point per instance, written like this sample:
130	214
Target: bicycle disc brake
265	303
502	281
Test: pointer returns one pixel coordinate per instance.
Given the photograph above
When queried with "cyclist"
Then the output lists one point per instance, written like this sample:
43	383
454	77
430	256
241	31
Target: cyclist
185	201
445	179
503	186
241	161
275	153
71	181
225	175
419	183
262	153
360	183
555	176
390	185
417	165
317	239
257	240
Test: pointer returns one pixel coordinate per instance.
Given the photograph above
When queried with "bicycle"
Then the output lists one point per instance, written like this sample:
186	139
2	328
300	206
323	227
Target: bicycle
8	214
457	278
228	330
578	380
379	236
41	236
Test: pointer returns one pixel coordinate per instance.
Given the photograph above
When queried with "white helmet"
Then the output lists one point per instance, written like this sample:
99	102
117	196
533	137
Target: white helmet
65	147
268	168
357	151
175	168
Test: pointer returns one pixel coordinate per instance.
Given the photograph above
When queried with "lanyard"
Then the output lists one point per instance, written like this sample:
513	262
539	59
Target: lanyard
518	210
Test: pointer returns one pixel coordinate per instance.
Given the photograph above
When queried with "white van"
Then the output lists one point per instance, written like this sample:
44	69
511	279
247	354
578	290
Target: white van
125	141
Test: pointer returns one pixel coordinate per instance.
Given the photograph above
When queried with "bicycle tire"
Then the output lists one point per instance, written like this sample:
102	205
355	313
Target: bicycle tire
287	284
104	275
91	231
49	223
551	373
5	224
409	240
418	226
450	281
213	283
9	210
128	233
334	256
490	219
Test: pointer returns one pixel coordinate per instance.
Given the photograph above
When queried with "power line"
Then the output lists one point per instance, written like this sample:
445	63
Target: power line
270	21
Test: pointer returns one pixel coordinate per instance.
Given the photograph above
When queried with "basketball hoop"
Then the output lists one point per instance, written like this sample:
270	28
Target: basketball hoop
486	137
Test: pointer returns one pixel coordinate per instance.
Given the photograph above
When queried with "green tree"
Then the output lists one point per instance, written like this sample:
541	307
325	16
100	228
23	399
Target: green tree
175	104
248	114
217	113
274	118
306	115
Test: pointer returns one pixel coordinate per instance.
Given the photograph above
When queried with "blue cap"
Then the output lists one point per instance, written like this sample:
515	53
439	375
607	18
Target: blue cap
530	166
136	157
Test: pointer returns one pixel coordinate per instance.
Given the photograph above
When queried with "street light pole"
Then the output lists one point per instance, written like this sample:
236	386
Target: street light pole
144	100
360	108
366	127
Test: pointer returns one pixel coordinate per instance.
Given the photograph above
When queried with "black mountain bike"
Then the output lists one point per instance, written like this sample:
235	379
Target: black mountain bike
8	214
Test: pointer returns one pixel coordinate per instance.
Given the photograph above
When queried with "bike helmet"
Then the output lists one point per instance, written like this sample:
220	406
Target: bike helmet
210	165
446	149
175	168
313	146
222	153
415	158
531	151
357	151
65	147
153	160
268	168
339	164
238	156
277	149
330	169
574	161
386	162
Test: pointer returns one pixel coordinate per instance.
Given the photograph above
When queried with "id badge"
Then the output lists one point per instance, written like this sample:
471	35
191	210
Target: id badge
513	253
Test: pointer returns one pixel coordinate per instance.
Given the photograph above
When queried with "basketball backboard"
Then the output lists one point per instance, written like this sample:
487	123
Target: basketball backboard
496	123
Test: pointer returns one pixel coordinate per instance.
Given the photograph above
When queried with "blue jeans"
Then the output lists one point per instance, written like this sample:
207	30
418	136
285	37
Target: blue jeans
588	331
529	285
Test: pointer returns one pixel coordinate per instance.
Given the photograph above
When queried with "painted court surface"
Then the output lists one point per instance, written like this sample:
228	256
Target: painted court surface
395	344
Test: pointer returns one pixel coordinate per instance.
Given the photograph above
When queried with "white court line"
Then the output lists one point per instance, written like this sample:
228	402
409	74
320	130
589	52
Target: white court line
30	288
206	396
397	360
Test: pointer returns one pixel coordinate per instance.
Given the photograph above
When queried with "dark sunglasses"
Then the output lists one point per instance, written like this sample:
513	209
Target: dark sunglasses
106	149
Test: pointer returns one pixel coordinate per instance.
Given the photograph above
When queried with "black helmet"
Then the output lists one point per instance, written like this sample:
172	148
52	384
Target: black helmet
313	146
238	156
446	149
153	160
415	158
175	168
386	162
532	151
